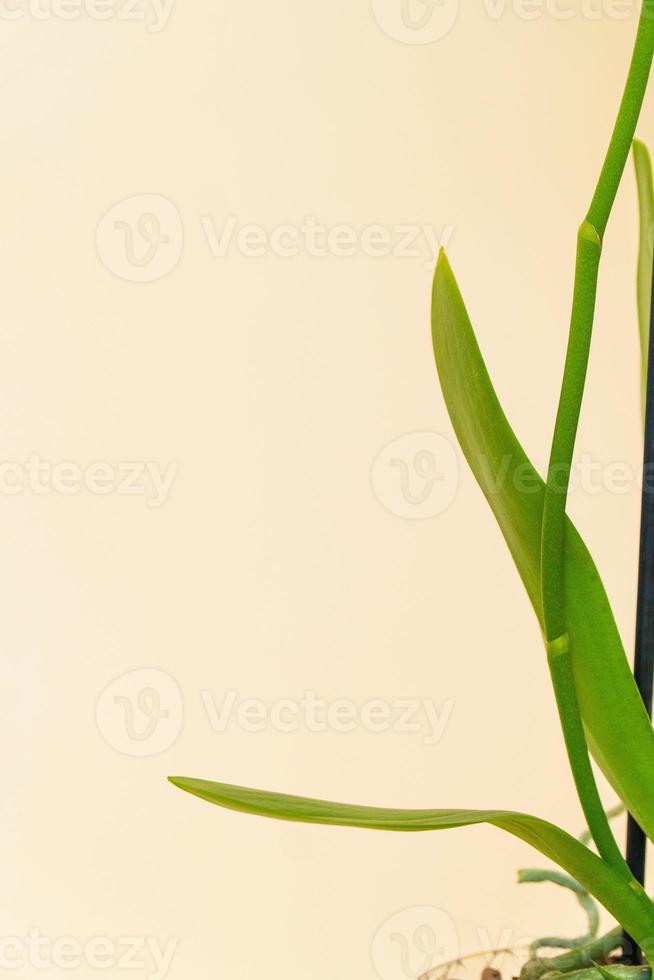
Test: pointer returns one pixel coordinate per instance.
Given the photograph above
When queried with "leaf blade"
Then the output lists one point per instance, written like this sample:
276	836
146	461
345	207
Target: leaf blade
618	728
632	909
645	185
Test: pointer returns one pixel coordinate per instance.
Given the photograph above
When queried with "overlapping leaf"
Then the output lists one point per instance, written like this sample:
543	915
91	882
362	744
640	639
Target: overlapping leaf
618	727
645	183
630	907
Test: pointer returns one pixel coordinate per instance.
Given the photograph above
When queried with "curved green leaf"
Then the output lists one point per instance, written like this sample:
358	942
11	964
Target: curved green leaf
618	728
615	811
631	907
645	183
613	971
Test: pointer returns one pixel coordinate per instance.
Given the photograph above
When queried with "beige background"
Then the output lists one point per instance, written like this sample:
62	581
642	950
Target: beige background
273	567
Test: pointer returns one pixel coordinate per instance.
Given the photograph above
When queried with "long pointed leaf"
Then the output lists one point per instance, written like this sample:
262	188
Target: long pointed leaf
617	724
629	906
645	183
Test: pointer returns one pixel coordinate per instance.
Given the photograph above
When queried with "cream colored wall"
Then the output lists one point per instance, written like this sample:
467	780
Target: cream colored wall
284	560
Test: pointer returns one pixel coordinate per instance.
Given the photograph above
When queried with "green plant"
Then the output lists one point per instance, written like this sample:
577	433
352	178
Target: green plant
600	708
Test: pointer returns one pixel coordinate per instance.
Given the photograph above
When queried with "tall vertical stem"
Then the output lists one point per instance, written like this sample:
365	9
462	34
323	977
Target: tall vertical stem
589	247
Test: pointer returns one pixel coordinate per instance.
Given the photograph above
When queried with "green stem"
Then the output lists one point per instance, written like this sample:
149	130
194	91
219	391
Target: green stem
645	184
589	247
560	664
596	951
586	901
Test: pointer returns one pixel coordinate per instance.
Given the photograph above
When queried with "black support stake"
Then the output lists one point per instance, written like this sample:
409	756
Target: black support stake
644	656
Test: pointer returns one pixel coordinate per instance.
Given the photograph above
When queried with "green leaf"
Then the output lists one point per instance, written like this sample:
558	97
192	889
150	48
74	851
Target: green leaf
615	811
617	725
645	183
631	907
615	971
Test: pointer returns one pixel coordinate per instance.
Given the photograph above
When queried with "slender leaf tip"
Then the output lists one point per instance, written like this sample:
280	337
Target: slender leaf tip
197	787
445	290
443	266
